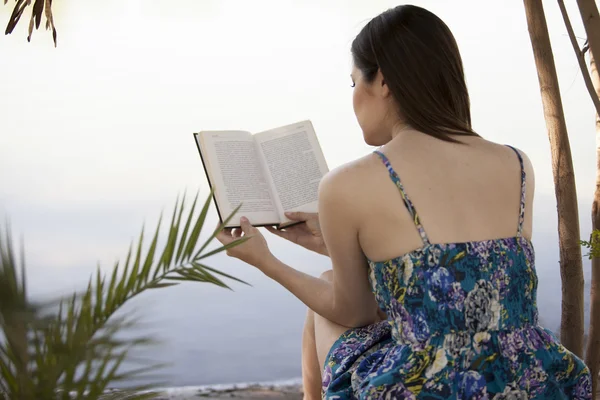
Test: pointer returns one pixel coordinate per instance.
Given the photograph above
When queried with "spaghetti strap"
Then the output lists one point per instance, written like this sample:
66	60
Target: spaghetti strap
409	205
523	191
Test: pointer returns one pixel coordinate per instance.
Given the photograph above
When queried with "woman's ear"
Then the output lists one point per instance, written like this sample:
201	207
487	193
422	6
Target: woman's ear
383	87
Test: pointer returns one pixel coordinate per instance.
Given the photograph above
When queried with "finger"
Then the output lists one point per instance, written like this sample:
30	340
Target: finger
298	215
272	229
247	228
220	227
224	236
236	233
298	230
278	232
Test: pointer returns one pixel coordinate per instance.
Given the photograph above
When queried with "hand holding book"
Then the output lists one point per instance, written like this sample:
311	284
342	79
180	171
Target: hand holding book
306	234
254	251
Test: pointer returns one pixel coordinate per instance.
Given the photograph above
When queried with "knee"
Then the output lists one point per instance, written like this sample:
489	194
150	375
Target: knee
327	275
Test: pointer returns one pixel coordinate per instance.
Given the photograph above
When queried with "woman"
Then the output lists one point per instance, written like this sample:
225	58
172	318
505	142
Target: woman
455	283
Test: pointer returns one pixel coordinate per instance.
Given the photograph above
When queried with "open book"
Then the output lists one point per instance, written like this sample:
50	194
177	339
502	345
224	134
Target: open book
268	173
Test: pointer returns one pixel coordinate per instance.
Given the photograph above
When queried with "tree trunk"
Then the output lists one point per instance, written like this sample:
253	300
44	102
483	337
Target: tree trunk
592	357
571	269
580	55
591	23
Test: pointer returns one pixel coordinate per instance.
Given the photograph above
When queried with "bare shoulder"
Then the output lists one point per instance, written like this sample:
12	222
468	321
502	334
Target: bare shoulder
509	151
347	179
350	174
527	166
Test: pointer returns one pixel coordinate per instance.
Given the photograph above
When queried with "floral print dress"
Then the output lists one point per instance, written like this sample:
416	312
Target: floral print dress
462	324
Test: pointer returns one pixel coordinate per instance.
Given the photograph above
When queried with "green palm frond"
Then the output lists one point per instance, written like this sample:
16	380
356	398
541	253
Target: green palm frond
593	245
77	350
38	8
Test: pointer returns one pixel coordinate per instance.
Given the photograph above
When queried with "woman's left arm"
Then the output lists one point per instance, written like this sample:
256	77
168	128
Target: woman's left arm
348	300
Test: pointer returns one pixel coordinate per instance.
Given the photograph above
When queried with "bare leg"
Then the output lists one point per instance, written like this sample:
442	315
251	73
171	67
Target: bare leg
311	370
318	337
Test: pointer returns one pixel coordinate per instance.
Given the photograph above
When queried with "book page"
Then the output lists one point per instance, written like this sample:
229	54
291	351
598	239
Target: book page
237	177
296	164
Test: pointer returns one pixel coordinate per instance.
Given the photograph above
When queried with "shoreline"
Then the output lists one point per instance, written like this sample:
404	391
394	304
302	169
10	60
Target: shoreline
290	389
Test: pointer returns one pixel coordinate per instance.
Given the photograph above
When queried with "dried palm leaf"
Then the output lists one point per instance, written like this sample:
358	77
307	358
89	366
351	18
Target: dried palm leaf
39	8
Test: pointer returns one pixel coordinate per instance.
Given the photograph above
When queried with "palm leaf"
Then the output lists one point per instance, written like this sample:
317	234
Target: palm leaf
223	248
197	227
216	231
167	254
207	268
76	350
38	7
185	230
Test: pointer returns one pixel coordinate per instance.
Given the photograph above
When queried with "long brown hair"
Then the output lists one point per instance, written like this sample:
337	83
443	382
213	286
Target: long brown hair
421	64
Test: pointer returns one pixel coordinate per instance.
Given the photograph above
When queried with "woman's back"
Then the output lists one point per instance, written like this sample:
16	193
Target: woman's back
463	192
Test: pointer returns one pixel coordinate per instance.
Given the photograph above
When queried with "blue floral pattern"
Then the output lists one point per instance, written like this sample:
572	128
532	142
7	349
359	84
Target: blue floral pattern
462	324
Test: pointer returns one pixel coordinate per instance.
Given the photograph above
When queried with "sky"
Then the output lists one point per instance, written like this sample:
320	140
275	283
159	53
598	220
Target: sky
96	134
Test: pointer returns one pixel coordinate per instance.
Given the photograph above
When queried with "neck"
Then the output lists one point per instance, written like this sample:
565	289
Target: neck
400	130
